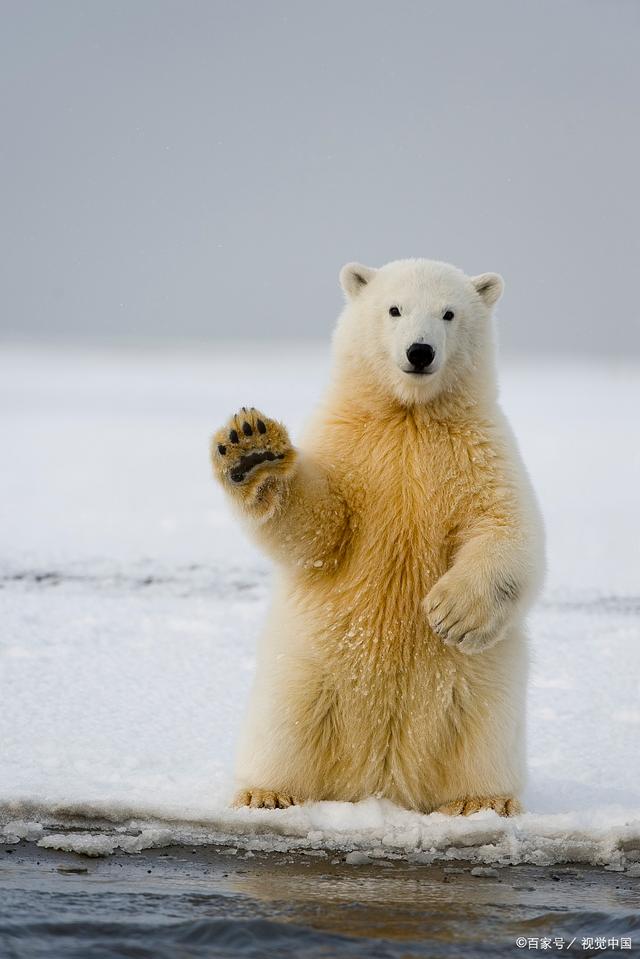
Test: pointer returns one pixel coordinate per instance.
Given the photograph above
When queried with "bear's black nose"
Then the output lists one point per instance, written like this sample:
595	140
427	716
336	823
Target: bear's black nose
421	355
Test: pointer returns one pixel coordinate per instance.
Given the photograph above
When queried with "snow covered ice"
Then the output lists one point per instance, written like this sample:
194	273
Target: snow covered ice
131	602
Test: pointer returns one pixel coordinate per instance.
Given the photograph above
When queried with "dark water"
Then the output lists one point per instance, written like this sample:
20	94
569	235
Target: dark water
171	904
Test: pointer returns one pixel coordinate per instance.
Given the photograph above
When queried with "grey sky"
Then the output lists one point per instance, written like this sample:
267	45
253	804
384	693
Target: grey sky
203	169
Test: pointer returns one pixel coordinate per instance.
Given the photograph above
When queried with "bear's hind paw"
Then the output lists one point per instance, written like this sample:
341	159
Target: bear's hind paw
503	805
263	799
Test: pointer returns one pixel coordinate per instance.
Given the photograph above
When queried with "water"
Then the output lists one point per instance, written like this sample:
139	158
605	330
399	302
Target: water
181	903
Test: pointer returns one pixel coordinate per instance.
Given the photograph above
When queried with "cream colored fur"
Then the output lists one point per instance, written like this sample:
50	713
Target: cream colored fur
409	548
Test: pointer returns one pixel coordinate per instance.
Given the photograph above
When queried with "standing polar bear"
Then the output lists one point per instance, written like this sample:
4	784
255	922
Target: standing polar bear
409	547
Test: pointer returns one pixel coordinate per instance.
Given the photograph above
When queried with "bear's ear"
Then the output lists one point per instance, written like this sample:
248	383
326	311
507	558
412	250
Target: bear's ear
354	277
489	287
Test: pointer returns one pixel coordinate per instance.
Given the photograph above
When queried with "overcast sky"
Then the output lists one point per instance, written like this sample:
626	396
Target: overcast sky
203	169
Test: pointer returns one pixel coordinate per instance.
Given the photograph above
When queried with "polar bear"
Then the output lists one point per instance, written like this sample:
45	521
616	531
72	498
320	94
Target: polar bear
408	547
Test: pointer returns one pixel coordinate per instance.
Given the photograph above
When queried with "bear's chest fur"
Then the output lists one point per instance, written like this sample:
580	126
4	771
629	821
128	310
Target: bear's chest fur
412	485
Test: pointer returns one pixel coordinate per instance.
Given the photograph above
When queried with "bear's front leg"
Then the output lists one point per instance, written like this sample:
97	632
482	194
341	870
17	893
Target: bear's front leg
252	456
291	500
485	590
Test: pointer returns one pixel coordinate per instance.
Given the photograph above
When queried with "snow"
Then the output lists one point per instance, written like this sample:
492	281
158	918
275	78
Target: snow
131	602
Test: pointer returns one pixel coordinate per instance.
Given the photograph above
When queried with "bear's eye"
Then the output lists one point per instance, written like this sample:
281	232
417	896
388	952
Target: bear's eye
394	311
448	315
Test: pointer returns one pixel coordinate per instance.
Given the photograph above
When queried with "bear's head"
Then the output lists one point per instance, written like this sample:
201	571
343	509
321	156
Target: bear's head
416	328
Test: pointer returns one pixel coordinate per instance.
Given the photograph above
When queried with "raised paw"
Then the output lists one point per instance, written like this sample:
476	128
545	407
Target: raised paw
263	799
463	616
503	805
249	447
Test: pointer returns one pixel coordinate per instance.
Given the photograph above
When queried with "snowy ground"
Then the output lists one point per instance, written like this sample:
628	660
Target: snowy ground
131	603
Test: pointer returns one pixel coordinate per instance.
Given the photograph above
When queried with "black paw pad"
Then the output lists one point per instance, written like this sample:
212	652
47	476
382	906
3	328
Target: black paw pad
222	449
233	436
250	461
261	427
246	429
